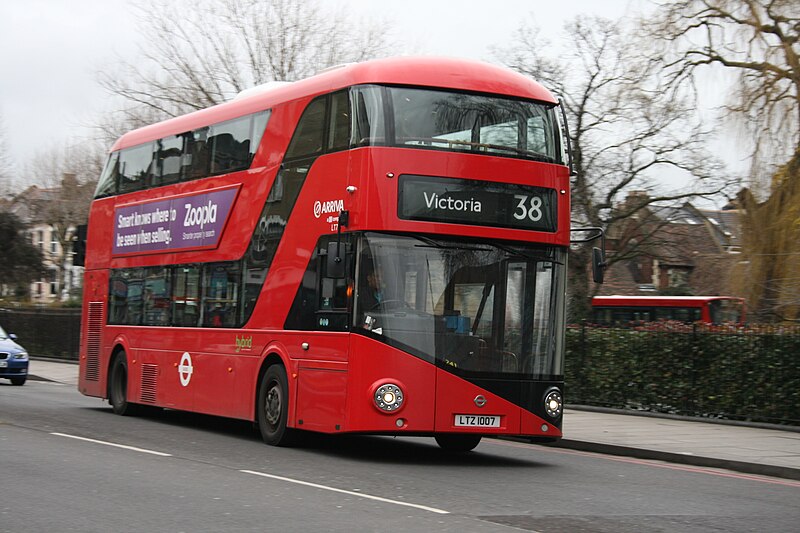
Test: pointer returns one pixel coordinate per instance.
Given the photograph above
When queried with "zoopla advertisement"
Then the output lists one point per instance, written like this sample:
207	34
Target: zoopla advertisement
192	221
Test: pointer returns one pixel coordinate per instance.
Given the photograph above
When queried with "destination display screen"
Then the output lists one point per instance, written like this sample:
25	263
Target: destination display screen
481	203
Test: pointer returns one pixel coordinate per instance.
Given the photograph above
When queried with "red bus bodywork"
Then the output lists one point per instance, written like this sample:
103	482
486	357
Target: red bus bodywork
705	309
332	375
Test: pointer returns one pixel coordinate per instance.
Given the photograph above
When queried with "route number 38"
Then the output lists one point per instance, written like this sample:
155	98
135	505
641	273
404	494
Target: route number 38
528	207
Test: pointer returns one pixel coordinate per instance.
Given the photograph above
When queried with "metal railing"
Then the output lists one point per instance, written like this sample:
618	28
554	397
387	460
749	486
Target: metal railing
45	332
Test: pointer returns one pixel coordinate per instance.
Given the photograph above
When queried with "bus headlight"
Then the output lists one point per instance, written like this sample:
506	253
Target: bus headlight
388	397
553	403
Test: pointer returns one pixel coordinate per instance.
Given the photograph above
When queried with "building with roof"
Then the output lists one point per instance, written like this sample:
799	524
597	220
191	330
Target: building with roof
51	216
671	250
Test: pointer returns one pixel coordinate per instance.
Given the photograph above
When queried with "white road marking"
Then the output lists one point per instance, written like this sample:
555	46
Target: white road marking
132	448
350	493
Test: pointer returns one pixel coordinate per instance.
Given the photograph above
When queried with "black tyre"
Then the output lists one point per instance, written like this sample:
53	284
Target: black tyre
273	408
18	381
458	443
118	386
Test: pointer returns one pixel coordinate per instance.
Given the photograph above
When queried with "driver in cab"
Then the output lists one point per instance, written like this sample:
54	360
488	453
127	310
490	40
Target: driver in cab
370	294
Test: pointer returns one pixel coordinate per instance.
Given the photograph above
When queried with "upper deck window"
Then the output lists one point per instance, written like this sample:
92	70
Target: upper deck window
324	127
460	122
170	160
310	133
216	149
135	167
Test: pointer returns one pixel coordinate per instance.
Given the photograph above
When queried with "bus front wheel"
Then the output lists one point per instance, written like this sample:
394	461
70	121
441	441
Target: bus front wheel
118	386
273	407
458	443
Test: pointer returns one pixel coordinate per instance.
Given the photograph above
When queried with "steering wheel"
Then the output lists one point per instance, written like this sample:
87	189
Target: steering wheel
390	304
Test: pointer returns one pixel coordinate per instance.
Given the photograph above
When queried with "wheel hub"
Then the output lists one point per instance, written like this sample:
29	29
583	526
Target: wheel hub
273	405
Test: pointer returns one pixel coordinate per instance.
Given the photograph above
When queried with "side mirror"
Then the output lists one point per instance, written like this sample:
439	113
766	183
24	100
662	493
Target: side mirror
598	254
598	265
335	260
12	336
79	246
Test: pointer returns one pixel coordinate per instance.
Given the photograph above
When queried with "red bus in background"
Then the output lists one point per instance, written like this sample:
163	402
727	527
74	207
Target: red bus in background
623	310
380	248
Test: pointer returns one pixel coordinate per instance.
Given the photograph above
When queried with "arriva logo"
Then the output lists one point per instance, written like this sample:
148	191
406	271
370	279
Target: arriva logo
324	208
245	343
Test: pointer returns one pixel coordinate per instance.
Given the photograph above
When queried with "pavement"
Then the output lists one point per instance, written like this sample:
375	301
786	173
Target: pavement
769	451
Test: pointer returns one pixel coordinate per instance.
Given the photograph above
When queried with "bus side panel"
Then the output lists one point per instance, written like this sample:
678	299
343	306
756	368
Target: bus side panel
94	353
224	383
100	234
208	371
455	396
321	396
320	379
156	377
373	363
324	184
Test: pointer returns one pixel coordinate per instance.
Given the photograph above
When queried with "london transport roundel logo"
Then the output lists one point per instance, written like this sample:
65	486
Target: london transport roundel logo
185	369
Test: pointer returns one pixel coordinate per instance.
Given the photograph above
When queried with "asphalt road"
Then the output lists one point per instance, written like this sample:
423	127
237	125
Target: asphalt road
68	464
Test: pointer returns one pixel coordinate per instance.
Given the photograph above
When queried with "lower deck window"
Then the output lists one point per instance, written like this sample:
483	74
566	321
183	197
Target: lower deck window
208	295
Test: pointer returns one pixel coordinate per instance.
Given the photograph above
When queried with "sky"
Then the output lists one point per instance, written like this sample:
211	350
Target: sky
52	50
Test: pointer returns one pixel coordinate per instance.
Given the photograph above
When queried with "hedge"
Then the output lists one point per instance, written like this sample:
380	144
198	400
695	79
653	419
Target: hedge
748	374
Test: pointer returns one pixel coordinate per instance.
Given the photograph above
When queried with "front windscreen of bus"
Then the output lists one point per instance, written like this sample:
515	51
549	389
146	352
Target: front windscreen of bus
725	311
456	122
474	308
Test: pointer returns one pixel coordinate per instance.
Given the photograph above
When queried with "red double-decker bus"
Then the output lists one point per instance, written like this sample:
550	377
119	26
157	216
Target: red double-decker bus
380	248
625	310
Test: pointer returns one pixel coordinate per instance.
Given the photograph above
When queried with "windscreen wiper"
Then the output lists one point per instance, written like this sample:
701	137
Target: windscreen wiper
454	143
513	252
431	243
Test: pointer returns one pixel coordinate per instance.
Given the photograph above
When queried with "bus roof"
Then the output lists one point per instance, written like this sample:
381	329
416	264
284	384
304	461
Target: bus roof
458	74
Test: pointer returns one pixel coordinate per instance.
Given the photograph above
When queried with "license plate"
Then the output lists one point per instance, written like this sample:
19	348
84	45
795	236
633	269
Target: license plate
3	364
477	421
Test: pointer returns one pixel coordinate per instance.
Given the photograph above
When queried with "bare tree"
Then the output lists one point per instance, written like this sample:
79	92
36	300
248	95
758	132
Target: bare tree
759	42
200	53
22	260
69	175
626	132
6	166
81	157
756	40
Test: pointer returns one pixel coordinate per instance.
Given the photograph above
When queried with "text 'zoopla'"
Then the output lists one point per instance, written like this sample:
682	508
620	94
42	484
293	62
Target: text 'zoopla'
202	215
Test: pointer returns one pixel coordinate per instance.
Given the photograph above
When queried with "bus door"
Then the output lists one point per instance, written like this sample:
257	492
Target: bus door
317	339
478	364
321	379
